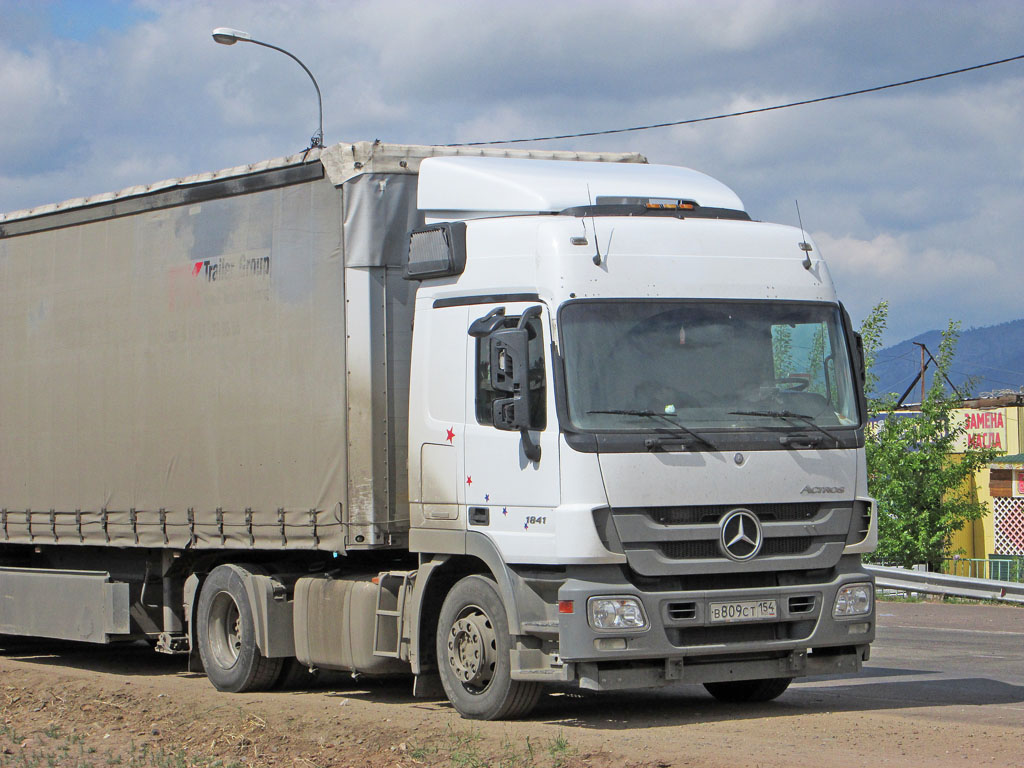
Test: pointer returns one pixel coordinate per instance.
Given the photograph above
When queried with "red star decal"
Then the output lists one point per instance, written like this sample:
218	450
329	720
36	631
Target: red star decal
451	435
469	480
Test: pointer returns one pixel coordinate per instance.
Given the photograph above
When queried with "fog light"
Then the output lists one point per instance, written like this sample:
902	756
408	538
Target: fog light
854	600
610	643
860	628
616	613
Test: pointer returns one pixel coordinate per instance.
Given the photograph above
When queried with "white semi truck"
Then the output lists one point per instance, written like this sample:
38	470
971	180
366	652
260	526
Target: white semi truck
493	419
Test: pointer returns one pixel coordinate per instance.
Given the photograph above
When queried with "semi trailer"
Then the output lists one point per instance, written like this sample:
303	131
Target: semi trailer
497	420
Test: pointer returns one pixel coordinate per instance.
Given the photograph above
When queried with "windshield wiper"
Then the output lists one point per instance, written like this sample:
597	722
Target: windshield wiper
651	443
808	420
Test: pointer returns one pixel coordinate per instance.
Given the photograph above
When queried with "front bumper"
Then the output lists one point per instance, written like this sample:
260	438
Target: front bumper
683	644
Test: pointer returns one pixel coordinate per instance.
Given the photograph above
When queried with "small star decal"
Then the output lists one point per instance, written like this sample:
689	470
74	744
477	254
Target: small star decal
469	480
526	526
504	510
451	434
487	497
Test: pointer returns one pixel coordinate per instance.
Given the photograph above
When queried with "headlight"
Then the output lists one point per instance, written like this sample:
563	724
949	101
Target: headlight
854	600
616	613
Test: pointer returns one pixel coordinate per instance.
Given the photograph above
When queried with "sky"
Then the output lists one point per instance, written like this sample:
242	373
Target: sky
914	195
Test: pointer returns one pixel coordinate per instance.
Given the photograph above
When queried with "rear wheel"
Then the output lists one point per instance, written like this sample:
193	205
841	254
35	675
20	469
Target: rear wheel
474	654
737	691
226	635
294	675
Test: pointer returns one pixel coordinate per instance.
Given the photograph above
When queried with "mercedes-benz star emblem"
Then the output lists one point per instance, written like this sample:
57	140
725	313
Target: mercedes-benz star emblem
741	534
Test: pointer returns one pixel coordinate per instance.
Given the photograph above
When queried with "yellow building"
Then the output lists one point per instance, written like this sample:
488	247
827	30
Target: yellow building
996	423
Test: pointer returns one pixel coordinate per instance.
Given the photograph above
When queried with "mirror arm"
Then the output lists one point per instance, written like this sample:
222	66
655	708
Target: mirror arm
488	324
530	448
528	314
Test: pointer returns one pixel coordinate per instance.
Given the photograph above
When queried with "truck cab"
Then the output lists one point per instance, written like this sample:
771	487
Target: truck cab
636	426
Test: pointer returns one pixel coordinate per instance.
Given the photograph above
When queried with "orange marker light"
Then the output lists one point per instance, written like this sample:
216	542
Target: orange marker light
565	606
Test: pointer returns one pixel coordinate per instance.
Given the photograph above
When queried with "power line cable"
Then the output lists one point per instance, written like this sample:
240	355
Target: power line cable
805	102
904	356
994	368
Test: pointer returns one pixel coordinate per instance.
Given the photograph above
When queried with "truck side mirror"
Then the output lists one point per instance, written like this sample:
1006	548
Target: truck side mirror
858	342
509	373
508	357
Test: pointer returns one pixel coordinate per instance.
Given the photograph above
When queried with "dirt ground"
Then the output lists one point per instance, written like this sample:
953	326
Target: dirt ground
67	705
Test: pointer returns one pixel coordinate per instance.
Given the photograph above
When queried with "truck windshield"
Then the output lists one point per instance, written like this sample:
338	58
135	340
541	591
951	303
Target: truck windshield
708	365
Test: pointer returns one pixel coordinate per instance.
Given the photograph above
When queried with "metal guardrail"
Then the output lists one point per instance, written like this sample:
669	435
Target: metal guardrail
944	584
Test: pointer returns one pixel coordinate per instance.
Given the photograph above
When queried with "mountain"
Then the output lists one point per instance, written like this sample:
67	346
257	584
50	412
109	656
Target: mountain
993	356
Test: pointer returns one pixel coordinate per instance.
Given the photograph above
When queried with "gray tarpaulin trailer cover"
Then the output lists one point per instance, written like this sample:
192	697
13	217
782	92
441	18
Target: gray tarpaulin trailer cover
214	362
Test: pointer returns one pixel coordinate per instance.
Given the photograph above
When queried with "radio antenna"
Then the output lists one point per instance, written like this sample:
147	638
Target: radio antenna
593	223
804	245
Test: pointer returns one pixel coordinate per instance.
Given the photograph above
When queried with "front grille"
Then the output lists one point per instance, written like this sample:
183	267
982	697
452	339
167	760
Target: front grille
795	545
678	540
706	549
689	550
712	513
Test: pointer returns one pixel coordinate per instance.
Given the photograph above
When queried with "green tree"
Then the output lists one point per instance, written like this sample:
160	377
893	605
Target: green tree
816	361
782	350
923	490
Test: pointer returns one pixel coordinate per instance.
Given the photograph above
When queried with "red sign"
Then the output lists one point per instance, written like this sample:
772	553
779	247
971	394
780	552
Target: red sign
984	429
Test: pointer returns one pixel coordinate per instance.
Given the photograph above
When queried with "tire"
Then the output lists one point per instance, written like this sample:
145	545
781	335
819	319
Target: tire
740	691
226	636
294	675
474	654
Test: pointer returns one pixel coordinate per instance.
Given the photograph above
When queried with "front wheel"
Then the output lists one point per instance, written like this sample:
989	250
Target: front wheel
474	654
739	691
226	635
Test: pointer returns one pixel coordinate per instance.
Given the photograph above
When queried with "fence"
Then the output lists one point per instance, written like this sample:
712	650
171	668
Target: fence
1001	568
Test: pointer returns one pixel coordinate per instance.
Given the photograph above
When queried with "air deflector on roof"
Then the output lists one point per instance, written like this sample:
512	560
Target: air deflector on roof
503	185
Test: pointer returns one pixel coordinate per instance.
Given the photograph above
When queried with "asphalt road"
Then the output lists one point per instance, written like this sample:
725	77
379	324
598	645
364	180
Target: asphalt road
962	662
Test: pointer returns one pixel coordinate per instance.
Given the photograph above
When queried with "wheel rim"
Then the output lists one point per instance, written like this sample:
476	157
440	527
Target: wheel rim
225	627
472	649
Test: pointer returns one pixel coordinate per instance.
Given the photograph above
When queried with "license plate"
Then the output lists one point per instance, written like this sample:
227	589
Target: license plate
744	610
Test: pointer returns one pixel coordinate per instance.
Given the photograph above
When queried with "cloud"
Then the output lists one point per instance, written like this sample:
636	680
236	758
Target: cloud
925	286
915	192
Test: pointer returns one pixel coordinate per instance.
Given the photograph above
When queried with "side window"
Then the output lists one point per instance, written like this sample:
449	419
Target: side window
805	352
485	395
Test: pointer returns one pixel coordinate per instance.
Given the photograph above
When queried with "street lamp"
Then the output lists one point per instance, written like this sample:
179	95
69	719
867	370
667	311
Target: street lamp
226	36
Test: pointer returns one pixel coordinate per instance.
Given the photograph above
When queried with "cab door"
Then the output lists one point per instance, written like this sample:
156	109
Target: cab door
437	409
511	473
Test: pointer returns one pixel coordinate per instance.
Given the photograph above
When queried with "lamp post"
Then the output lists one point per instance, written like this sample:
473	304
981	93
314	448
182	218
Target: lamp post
226	36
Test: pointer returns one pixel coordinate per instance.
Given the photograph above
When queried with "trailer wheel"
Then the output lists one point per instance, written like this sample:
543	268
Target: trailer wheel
226	635
739	691
473	654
